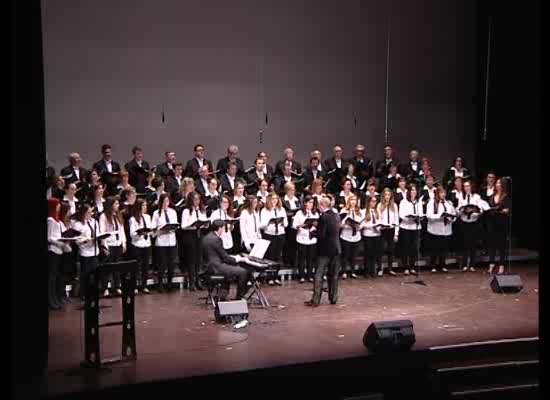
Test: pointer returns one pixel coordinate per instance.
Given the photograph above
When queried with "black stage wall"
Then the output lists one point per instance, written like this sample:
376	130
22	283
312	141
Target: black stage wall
317	68
27	322
512	146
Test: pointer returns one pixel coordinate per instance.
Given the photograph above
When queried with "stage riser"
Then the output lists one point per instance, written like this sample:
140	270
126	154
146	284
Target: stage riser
287	273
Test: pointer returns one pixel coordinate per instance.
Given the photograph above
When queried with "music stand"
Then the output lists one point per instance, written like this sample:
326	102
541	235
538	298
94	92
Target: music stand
92	353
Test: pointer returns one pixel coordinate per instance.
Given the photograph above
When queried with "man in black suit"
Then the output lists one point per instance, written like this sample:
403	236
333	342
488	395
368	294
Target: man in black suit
411	169
312	172
223	163
193	166
383	166
363	166
166	169
228	179
289	158
74	172
256	175
329	251
137	170
336	169
173	182
108	170
267	169
218	262
287	176
201	184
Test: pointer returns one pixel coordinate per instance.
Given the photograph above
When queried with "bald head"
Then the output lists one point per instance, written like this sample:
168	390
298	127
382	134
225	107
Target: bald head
232	151
74	159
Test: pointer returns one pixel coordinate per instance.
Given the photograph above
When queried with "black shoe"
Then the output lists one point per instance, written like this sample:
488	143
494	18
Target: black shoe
161	289
199	286
192	288
333	301
311	304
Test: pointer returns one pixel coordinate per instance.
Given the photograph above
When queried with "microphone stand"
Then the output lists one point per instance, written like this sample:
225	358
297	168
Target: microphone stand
418	279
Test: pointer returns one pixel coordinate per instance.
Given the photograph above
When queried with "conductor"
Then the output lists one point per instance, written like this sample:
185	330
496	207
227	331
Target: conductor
329	253
218	262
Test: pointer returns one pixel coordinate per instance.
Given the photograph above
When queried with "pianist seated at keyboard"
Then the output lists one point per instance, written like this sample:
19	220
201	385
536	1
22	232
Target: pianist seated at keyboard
218	262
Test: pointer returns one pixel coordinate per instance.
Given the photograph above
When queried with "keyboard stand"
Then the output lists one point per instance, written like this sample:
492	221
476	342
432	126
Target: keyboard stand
256	294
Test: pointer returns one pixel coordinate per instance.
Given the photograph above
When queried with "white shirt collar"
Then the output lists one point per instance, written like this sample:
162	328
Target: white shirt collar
398	190
65	198
286	198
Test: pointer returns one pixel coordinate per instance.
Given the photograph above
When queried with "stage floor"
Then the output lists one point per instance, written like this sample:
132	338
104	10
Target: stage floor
177	336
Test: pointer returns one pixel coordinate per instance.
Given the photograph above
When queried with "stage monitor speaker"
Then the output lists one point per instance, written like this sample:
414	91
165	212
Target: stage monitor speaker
232	311
389	336
506	283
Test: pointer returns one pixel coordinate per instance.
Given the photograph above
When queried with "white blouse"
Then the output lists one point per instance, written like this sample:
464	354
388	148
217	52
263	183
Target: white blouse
467	199
368	227
87	244
302	234
389	216
436	224
249	224
119	236
168	216
407	208
273	229
227	238
346	233
141	241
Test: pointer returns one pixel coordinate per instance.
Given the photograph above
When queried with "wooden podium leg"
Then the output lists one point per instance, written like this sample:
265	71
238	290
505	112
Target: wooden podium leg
128	322
92	356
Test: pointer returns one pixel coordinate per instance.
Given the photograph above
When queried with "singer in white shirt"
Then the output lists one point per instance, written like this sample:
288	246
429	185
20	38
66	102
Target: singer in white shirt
165	242
372	239
389	217
273	231
410	214
249	223
141	242
350	235
440	229
469	225
191	238
306	239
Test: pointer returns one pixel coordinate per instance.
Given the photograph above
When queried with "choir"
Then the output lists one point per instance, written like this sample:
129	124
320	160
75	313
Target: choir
162	212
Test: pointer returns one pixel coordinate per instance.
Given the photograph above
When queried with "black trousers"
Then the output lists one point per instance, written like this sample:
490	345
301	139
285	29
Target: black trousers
372	253
167	258
388	245
54	277
274	251
231	273
87	265
330	266
438	248
289	247
470	235
67	274
306	258
192	255
408	247
142	256
497	240
349	253
115	255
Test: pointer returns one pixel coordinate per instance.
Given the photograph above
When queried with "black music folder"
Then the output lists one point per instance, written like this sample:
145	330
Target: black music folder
144	231
70	233
277	220
169	227
470	209
310	222
201	224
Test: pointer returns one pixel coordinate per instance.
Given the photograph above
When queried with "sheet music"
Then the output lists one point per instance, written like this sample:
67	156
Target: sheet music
259	249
